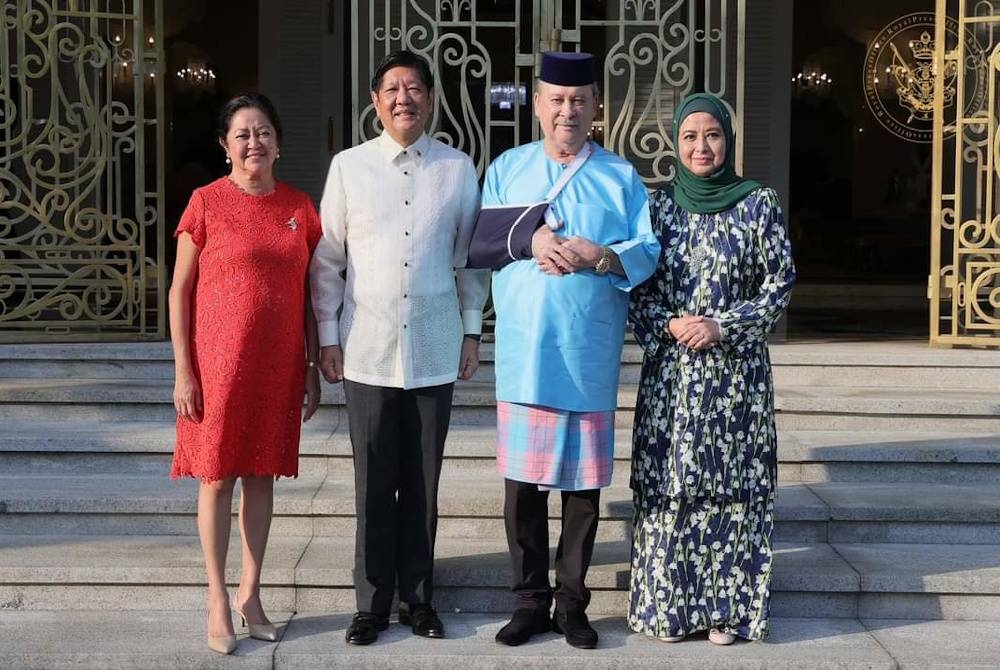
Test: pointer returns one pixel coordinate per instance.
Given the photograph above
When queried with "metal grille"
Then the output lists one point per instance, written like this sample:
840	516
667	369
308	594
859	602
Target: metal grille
484	53
964	285
81	170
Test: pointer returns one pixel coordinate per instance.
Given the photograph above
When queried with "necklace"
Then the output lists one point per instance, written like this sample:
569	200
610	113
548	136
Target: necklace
237	185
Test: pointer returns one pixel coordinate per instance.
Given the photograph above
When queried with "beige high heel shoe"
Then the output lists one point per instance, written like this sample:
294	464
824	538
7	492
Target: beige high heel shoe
222	645
266	632
225	644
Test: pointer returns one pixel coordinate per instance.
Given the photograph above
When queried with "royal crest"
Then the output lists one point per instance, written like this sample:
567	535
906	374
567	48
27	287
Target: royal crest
914	78
900	79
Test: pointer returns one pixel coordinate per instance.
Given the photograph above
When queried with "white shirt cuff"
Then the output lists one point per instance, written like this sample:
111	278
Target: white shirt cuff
329	333
472	321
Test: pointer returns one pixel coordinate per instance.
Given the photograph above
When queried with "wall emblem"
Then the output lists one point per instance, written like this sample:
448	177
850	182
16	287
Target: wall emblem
899	76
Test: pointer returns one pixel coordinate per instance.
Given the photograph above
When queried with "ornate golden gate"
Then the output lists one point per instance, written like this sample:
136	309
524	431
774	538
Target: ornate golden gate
964	285
651	53
81	170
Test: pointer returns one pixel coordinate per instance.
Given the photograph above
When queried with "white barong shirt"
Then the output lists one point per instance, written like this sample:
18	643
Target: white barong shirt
388	278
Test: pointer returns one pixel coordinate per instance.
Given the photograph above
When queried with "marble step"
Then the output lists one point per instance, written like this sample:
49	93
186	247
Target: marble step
314	574
471	506
854	364
128	640
138	447
798	408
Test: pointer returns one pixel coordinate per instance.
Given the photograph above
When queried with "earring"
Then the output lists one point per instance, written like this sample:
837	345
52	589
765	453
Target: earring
228	160
277	155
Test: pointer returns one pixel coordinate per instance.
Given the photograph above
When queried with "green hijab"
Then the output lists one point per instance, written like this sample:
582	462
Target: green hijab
725	188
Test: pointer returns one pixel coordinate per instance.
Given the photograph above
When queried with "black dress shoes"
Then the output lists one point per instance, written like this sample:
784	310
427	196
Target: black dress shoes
575	626
523	624
423	619
365	627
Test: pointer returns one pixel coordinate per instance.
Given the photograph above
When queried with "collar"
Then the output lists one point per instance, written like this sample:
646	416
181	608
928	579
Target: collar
391	150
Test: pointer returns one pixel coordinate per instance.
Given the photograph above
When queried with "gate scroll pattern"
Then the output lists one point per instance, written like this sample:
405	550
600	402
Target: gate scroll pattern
964	285
650	55
81	232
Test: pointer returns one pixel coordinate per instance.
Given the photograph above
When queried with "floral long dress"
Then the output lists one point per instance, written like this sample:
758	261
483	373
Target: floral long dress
704	459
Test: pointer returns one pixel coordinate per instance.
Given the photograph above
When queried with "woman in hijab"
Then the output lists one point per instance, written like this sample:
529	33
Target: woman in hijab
704	446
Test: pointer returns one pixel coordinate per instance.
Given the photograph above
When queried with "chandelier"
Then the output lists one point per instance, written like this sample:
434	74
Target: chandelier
196	76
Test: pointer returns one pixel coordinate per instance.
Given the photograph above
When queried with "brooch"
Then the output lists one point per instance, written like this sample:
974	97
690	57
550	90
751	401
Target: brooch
698	256
292	223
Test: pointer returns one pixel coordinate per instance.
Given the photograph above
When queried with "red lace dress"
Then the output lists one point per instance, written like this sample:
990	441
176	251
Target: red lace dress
247	330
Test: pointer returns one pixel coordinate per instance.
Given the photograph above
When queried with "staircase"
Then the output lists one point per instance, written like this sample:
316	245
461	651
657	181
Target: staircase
888	524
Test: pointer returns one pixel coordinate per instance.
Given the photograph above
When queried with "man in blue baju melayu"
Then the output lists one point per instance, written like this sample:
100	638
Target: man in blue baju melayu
560	327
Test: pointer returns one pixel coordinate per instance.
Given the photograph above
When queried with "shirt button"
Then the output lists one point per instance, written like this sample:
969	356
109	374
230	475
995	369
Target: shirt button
406	265
406	202
406	295
404	325
407	233
406	173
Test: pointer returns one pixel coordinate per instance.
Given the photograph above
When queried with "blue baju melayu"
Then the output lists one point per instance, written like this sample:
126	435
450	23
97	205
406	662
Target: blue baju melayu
559	339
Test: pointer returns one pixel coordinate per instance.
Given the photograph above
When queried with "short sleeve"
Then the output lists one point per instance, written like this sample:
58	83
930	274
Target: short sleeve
193	220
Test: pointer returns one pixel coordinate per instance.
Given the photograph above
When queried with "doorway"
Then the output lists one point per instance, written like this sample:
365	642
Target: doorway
861	163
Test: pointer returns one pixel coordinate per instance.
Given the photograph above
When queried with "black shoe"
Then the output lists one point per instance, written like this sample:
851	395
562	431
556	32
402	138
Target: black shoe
523	624
575	626
365	627
423	619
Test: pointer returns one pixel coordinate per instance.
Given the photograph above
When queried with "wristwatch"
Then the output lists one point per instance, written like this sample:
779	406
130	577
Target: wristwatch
604	262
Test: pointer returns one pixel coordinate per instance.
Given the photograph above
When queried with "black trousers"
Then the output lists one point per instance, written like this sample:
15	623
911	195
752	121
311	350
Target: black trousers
398	440
526	513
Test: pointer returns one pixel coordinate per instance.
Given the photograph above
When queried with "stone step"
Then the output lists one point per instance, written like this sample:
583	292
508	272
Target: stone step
127	640
840	580
842	408
855	364
138	447
888	456
472	507
860	376
330	438
152	464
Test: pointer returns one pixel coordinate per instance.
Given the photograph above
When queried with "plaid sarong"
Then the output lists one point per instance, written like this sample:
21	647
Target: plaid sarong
556	449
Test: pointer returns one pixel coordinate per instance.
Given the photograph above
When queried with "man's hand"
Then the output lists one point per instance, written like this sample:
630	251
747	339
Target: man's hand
331	363
588	252
469	361
550	254
695	332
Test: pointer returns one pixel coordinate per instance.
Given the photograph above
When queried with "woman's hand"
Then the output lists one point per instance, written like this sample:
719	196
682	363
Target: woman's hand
313	392
187	397
695	332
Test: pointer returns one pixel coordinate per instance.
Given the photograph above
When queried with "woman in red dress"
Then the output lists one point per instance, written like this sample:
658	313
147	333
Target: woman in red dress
245	351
